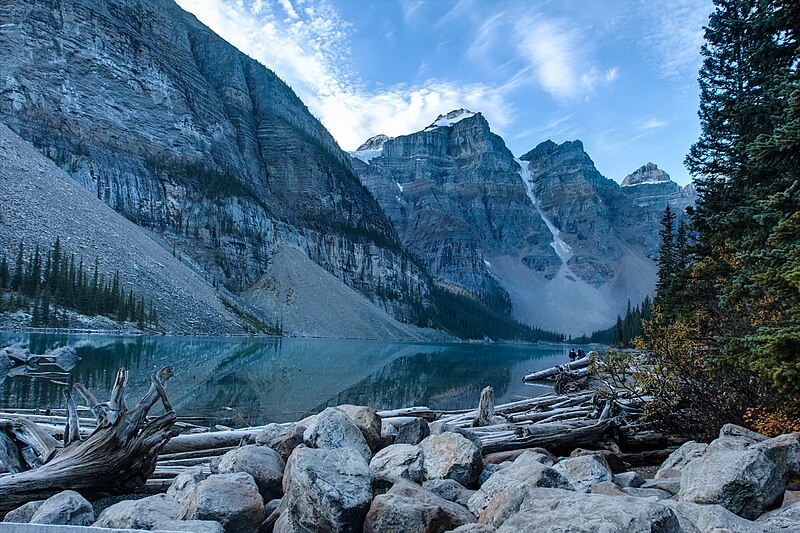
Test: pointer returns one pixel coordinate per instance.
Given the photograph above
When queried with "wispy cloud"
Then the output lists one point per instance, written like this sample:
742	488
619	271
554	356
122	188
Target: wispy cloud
652	124
306	44
678	34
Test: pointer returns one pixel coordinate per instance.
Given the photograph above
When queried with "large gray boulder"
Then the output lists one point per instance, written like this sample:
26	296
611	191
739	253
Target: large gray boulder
784	451
284	441
407	507
451	456
328	489
673	465
560	510
696	518
232	500
501	507
629	479
23	513
368	421
139	514
412	432
584	471
261	462
399	461
67	508
783	519
183	485
746	482
524	477
334	429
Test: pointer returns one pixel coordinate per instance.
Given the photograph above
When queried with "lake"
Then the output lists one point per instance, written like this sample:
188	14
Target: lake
240	381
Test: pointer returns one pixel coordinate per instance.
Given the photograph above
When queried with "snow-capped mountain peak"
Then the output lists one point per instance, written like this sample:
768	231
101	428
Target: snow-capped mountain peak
450	118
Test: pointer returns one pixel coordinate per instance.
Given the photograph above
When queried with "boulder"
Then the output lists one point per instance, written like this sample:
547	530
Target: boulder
334	429
232	500
269	432
534	456
451	456
407	507
412	432
501	507
195	526
745	482
287	440
673	465
696	518
524	477
271	505
139	514
261	462
746	436
67	508
439	427
783	519
611	459
560	510
23	513
184	484
328	489
784	451
448	489
629	479
389	434
399	461
669	484
609	489
368	421
584	471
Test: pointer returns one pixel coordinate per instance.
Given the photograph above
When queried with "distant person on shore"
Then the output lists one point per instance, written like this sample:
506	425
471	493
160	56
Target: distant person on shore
572	354
581	353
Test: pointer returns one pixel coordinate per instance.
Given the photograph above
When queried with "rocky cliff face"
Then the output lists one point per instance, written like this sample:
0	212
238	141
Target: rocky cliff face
186	136
652	189
567	245
454	195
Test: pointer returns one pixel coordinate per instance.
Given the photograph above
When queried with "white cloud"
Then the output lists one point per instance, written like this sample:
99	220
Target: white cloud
308	49
678	34
652	124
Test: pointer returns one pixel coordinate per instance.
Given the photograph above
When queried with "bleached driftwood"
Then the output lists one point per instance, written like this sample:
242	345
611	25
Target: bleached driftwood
577	368
117	458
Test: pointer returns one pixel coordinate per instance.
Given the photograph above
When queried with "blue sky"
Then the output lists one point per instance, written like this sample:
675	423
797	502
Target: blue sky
620	75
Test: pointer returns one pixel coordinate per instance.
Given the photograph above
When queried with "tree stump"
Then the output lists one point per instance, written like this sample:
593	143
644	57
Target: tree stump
117	458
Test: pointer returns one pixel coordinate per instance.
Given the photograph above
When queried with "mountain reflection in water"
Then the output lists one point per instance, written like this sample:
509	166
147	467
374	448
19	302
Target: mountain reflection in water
237	381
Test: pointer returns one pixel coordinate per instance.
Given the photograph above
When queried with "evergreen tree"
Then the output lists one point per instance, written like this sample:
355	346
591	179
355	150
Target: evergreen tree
4	276
666	263
16	281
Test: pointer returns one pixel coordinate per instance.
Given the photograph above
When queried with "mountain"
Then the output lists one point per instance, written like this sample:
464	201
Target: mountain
545	234
185	302
175	129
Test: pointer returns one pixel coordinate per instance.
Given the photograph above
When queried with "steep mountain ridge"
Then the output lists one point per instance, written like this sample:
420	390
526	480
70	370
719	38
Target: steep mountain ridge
186	136
567	246
33	196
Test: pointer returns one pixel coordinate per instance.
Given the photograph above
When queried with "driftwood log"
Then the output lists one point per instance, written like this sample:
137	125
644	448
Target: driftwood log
117	458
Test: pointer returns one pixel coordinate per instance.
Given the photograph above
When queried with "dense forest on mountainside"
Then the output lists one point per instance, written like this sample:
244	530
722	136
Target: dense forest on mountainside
46	285
726	317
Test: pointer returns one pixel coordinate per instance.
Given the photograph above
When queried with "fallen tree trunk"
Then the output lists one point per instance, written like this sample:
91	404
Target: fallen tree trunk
117	458
554	371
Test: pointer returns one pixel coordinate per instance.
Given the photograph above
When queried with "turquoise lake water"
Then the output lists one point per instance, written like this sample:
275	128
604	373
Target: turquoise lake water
238	381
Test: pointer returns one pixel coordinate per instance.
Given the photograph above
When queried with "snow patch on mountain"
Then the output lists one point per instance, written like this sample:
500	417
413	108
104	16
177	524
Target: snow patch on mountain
443	121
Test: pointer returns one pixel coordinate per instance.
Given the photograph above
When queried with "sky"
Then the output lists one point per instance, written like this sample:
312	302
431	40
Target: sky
620	75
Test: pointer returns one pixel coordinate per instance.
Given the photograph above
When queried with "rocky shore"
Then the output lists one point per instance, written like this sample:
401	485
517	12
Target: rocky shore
346	470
